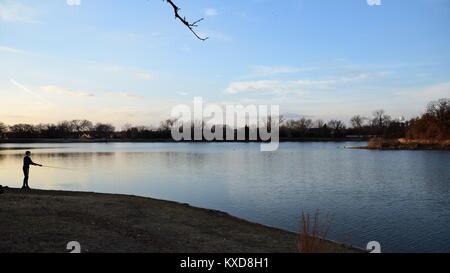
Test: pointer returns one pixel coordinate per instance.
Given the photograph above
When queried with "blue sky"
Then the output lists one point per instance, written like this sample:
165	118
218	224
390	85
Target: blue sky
131	62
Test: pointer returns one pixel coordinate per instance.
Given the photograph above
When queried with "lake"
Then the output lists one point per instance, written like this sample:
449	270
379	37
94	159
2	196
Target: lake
398	198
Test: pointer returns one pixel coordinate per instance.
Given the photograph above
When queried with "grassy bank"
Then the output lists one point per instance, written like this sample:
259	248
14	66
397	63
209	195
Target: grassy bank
45	221
406	144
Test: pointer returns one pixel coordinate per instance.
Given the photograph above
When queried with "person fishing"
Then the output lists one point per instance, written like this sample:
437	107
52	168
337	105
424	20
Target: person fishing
26	168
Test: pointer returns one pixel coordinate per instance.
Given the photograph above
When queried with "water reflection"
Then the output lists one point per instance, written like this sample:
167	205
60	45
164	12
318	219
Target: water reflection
398	198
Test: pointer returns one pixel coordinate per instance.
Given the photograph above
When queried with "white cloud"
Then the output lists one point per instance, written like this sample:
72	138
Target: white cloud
217	36
277	86
123	95
63	91
11	50
211	12
239	87
186	48
73	2
145	76
14	11
262	70
52	89
434	92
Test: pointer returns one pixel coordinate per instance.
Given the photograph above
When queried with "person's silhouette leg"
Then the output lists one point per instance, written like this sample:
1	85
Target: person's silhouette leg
26	173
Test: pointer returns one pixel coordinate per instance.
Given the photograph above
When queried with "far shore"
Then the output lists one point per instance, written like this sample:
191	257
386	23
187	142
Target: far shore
406	144
117	140
45	221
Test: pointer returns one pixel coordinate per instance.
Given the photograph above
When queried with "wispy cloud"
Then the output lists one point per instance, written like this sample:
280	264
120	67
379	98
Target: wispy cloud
263	70
298	86
15	11
11	50
216	36
145	76
131	72
186	48
52	89
374	2
122	95
73	2
67	92
273	86
29	92
211	12
432	92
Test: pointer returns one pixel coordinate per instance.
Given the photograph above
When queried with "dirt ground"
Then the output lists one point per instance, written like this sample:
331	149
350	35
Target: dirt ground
45	221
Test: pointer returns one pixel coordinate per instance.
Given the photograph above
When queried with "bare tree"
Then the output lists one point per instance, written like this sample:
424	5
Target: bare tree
357	121
305	124
189	25
81	126
2	129
64	128
302	124
440	110
434	124
104	130
319	123
380	118
167	124
337	125
127	126
23	130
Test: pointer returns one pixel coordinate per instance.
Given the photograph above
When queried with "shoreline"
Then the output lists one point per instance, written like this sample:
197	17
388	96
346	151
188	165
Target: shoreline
286	140
45	221
404	144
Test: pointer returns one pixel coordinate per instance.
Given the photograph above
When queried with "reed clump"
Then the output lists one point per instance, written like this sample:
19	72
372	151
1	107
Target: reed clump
313	231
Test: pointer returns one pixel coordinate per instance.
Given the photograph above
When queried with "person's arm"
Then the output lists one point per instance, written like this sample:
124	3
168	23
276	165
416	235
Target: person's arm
34	164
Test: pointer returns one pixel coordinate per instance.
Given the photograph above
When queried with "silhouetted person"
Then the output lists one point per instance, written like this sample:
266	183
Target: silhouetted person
26	168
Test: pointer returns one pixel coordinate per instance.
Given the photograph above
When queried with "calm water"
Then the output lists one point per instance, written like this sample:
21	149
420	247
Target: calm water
399	198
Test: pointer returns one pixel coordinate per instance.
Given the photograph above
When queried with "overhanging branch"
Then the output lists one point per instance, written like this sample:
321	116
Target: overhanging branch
191	26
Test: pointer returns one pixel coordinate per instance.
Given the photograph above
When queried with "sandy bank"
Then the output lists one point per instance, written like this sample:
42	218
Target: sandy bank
45	221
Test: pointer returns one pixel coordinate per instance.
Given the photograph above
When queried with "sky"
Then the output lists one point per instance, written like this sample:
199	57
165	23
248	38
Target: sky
130	62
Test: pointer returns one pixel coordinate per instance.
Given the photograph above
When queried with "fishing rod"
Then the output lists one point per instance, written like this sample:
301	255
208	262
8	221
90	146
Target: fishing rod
59	168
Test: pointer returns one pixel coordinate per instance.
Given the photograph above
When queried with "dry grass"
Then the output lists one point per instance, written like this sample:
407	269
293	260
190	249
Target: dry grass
312	235
45	221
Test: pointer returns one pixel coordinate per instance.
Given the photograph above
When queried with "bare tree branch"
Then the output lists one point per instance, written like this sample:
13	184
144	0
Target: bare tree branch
191	26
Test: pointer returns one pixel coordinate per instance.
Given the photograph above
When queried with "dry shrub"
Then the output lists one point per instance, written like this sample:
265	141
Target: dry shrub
312	234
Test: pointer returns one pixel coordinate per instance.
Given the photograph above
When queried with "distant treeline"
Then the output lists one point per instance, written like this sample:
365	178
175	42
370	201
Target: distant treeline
434	124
